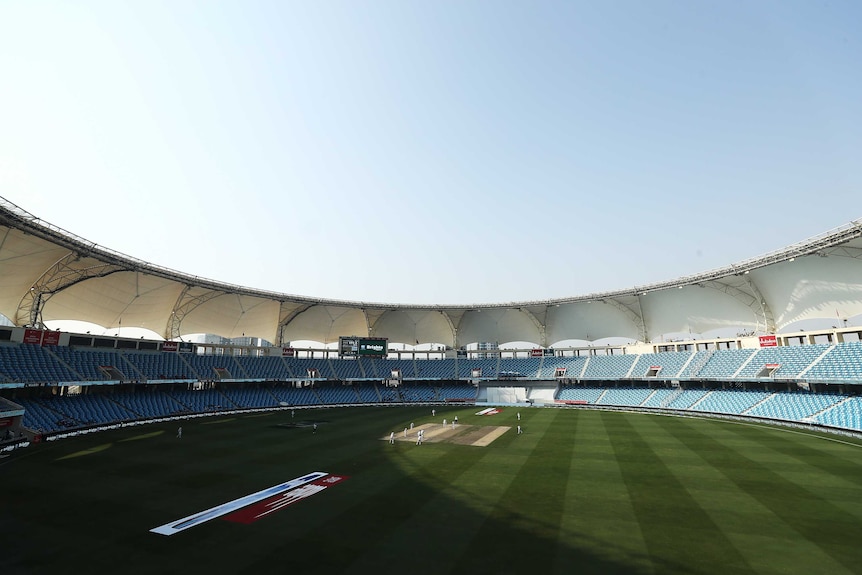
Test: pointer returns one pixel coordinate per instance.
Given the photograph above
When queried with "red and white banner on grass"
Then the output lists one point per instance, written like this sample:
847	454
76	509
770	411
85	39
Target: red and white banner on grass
489	411
275	503
252	507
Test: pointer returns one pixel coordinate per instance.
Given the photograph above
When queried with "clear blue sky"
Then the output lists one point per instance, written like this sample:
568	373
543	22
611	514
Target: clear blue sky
434	152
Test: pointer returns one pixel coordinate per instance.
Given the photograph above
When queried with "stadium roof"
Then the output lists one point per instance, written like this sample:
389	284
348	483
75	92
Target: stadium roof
47	274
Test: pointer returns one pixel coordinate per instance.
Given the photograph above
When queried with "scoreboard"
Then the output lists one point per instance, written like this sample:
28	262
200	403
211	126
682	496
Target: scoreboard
362	346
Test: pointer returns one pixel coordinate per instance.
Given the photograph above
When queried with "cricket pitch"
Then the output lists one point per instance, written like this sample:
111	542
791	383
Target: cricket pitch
461	434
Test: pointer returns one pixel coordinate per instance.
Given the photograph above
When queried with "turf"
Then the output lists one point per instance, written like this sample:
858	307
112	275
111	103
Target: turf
578	492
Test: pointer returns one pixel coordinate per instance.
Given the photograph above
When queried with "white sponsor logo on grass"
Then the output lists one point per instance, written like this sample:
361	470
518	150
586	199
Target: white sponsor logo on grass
225	508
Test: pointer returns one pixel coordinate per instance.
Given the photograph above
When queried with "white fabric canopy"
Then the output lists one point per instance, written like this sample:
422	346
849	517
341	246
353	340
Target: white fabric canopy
49	274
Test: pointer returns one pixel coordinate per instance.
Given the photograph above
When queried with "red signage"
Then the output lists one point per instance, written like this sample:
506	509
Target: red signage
170	346
51	338
772	365
768	341
535	353
288	352
655	367
33	336
260	509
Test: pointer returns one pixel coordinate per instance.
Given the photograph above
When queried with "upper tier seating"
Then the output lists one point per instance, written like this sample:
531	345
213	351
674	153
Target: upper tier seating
793	360
608	367
842	362
670	362
28	363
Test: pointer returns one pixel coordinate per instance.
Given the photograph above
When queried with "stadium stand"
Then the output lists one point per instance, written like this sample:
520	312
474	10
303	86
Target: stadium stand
269	368
660	398
91	364
294	396
685	399
29	363
250	396
794	406
300	368
632	397
389	395
670	364
792	360
201	401
418	392
367	392
846	413
585	394
727	401
526	366
608	367
161	366
843	362
456	392
270	382
348	370
487	368
717	365
149	404
336	393
435	369
573	366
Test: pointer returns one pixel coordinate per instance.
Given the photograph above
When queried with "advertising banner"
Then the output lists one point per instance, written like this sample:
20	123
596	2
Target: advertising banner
374	347
33	336
51	338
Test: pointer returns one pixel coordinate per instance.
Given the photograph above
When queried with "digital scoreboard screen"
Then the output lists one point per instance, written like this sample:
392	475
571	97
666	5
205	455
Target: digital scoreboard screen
362	346
348	346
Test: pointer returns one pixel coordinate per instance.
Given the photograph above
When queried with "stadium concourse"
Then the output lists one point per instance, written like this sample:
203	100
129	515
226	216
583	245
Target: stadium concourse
54	383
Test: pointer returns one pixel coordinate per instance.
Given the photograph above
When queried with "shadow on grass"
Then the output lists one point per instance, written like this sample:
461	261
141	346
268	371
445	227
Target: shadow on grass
403	509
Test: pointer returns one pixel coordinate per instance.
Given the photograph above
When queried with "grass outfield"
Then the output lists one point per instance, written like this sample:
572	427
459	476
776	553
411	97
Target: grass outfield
578	492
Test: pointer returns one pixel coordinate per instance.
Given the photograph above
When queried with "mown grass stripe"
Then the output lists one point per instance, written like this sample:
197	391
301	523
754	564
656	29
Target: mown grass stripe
142	436
395	499
759	535
679	534
439	520
530	509
88	451
836	532
93	513
840	485
848	469
599	531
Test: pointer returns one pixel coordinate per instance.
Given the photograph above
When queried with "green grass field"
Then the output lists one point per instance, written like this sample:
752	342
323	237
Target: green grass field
578	492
